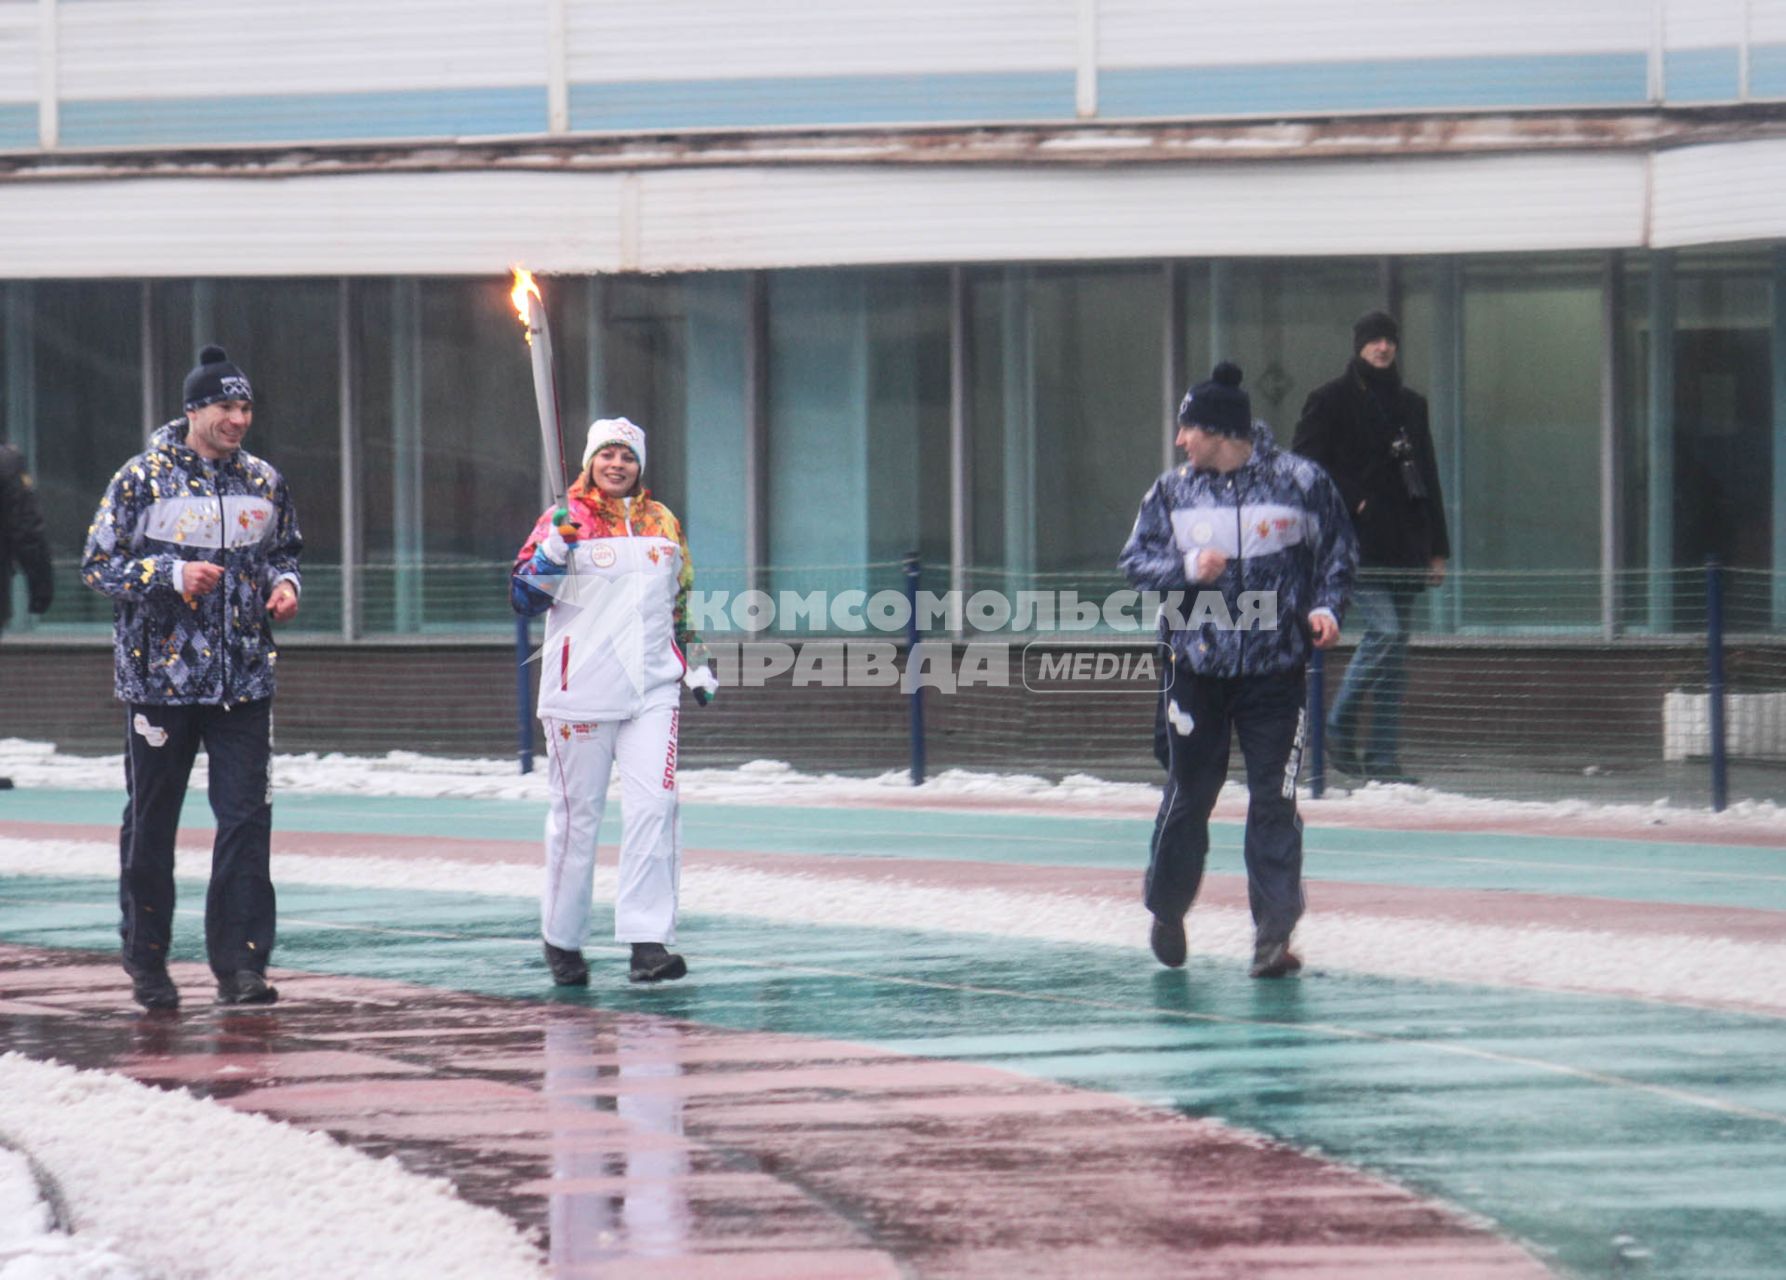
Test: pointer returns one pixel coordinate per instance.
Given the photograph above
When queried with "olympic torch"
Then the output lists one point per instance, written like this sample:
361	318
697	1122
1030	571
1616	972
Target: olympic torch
531	308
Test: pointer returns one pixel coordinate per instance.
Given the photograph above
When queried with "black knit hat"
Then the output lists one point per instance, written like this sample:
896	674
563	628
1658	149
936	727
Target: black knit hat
1373	325
214	379
1219	405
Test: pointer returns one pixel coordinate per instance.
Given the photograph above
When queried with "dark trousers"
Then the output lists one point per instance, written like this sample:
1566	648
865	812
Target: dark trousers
1266	713
160	744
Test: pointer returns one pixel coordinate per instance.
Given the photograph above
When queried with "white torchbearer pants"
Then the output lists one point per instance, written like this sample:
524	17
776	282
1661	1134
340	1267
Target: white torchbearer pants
582	758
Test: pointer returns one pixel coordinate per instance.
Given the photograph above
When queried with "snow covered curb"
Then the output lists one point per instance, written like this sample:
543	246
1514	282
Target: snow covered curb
404	773
186	1187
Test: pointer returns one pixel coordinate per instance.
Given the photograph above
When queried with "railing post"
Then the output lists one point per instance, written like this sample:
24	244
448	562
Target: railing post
912	571
1714	657
1317	724
523	703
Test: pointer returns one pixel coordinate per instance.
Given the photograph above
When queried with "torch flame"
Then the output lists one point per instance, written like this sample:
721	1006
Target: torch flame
524	287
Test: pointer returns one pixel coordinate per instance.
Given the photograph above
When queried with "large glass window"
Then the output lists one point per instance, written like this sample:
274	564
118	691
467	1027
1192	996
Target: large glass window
449	449
857	470
1526	517
73	404
1068	420
283	334
1288	324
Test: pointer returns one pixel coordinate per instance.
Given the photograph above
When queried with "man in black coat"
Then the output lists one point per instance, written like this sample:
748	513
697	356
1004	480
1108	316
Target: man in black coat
22	542
1371	434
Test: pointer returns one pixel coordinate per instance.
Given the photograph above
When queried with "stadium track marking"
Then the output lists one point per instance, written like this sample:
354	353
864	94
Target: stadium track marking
1334	1030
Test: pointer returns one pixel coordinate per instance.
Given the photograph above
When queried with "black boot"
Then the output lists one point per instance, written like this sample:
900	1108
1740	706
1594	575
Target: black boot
653	963
569	969
1274	960
152	988
245	986
1168	941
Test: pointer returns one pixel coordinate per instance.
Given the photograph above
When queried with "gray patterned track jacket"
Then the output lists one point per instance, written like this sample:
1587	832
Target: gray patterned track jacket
1283	525
167	505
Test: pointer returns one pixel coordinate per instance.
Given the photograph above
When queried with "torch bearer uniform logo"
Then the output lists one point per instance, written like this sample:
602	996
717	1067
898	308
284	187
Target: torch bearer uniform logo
1202	532
602	555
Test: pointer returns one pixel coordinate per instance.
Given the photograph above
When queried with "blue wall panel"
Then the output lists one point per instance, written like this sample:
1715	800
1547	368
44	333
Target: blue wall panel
822	100
18	126
303	117
1767	71
1606	79
1700	75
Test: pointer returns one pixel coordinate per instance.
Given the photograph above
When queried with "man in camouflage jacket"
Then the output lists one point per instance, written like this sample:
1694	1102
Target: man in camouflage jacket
1257	545
197	543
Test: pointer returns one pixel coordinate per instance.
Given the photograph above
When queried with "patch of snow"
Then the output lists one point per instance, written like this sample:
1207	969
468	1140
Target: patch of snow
410	774
1683	968
200	1190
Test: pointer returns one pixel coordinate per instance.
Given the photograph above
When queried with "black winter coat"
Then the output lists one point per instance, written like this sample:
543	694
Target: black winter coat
1346	428
22	538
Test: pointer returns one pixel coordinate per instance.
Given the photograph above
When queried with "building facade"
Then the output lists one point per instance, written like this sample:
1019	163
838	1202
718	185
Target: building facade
927	277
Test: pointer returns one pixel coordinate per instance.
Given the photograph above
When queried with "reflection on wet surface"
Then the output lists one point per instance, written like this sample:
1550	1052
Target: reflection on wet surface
628	1143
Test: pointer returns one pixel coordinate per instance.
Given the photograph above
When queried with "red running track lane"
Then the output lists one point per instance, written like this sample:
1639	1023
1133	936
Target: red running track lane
628	1145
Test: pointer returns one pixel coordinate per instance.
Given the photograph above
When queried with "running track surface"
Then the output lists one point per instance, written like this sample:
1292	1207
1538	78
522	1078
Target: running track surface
826	1101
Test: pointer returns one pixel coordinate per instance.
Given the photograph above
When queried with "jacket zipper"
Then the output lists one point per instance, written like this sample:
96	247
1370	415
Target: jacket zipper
1239	566
223	583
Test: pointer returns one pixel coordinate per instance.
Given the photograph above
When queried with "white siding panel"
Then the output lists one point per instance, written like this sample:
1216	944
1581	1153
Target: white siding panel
18	51
196	48
699	40
1718	194
375	224
774	218
1165	33
478	223
1698	24
1767	21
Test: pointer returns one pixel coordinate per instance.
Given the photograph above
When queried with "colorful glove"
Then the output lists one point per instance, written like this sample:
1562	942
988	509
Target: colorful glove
702	682
565	532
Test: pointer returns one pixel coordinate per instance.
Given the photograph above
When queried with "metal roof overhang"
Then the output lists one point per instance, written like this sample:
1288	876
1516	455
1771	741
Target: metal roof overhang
1471	184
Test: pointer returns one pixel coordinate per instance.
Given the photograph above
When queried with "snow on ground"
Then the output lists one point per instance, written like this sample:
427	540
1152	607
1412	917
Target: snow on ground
33	1242
1682	968
405	773
185	1187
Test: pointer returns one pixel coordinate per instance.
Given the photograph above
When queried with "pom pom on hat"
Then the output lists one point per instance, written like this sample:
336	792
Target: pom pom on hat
607	431
214	378
1219	405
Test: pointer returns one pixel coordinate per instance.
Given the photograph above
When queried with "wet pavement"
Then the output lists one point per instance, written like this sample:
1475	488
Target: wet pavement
615	1138
820	1100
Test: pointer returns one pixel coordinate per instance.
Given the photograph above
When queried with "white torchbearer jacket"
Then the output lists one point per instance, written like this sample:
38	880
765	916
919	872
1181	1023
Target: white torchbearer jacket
613	647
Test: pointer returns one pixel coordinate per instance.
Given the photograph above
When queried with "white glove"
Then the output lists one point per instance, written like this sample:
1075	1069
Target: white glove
555	548
702	682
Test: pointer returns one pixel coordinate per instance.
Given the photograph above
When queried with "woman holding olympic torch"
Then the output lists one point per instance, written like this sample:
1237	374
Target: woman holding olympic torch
610	570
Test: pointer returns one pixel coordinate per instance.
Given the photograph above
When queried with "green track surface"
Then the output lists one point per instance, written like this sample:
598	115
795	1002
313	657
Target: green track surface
1619	1138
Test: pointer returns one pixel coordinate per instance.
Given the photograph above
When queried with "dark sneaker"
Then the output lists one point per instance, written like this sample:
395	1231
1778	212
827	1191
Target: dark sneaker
1274	960
245	986
1168	941
653	963
153	989
569	969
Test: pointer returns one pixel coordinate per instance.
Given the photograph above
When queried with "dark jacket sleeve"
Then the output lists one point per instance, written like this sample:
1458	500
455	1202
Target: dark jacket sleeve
1317	438
26	538
1151	560
1429	467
